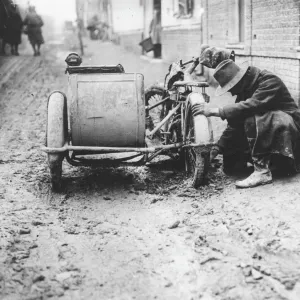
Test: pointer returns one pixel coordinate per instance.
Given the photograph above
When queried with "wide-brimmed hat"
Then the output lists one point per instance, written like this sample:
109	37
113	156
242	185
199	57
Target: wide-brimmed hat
228	74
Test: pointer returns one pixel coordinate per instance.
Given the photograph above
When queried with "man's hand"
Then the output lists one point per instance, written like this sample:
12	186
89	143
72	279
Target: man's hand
204	109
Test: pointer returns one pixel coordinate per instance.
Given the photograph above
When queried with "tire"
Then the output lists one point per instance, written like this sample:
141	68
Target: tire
57	131
154	94
196	159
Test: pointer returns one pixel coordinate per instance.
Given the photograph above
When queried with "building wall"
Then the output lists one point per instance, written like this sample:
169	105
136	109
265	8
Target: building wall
128	15
128	23
271	35
180	43
181	36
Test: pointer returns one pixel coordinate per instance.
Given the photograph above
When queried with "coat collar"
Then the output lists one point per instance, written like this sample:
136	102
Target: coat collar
251	77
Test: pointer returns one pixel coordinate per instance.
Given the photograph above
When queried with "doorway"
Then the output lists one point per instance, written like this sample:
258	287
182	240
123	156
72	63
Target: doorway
156	29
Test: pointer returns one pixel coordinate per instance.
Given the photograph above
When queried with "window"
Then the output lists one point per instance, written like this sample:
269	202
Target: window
185	9
237	16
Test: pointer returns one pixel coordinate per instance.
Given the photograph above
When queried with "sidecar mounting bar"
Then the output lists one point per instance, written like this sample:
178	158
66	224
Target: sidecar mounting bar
111	149
158	103
165	120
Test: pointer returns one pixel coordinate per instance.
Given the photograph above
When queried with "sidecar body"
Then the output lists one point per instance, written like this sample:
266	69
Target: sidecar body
106	109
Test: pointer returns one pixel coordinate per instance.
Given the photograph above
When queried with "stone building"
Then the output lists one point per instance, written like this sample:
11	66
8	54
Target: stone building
180	19
266	33
99	9
182	29
128	23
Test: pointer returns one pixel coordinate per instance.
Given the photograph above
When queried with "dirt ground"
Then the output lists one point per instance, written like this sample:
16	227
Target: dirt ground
109	234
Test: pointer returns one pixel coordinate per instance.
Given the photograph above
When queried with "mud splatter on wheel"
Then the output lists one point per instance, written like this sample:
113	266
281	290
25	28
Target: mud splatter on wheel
57	131
196	158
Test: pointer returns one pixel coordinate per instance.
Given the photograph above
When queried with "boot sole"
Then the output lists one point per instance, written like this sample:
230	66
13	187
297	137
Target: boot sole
252	186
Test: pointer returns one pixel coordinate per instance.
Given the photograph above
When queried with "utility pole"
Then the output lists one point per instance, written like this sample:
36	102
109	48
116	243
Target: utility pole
80	25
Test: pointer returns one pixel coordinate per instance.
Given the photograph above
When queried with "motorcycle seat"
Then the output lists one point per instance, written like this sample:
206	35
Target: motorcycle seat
191	83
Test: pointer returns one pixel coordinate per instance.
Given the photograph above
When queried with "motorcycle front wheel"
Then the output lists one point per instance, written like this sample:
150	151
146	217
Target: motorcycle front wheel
196	158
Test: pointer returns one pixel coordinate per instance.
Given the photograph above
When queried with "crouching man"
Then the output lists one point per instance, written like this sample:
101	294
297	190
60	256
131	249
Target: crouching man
263	123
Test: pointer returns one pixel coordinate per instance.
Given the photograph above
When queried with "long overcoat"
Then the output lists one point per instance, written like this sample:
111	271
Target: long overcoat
14	28
155	30
34	24
276	114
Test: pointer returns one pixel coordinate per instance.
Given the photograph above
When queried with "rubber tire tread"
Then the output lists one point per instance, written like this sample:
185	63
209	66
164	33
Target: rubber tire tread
201	169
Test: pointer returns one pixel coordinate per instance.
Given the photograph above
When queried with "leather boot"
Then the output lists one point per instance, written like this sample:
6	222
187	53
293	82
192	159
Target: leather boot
261	175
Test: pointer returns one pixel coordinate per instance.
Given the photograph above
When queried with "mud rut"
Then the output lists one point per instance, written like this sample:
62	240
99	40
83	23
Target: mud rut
131	233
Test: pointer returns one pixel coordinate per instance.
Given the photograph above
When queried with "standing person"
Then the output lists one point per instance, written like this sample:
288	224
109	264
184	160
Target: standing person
13	30
263	123
155	33
34	24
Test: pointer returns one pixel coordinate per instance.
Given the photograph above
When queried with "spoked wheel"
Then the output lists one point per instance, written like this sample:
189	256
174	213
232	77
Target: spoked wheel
57	131
176	137
153	95
196	159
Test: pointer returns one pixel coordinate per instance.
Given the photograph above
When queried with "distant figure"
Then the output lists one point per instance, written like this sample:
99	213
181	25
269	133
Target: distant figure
155	33
12	31
34	25
98	29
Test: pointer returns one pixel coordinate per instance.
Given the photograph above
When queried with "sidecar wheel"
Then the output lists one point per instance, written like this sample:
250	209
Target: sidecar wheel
196	159
57	130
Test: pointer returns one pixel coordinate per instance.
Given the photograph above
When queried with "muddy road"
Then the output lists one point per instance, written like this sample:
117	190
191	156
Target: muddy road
131	233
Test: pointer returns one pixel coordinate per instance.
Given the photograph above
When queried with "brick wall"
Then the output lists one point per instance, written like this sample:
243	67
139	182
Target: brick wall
275	28
286	69
180	44
271	35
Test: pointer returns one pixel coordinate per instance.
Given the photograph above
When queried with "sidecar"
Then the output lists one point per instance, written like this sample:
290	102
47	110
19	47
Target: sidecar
103	114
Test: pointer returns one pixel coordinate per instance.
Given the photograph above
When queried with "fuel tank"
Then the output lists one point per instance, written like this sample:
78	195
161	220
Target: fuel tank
107	109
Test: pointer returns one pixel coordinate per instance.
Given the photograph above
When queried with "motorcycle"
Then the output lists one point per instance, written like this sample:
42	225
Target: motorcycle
169	119
105	113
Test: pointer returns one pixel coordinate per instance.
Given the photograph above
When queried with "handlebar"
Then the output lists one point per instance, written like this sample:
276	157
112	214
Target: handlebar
186	63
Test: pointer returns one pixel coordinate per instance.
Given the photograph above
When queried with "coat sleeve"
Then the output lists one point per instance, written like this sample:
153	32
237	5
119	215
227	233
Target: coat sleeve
263	99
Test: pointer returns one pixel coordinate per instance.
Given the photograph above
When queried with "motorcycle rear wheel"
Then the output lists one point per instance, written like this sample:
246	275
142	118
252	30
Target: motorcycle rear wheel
153	95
